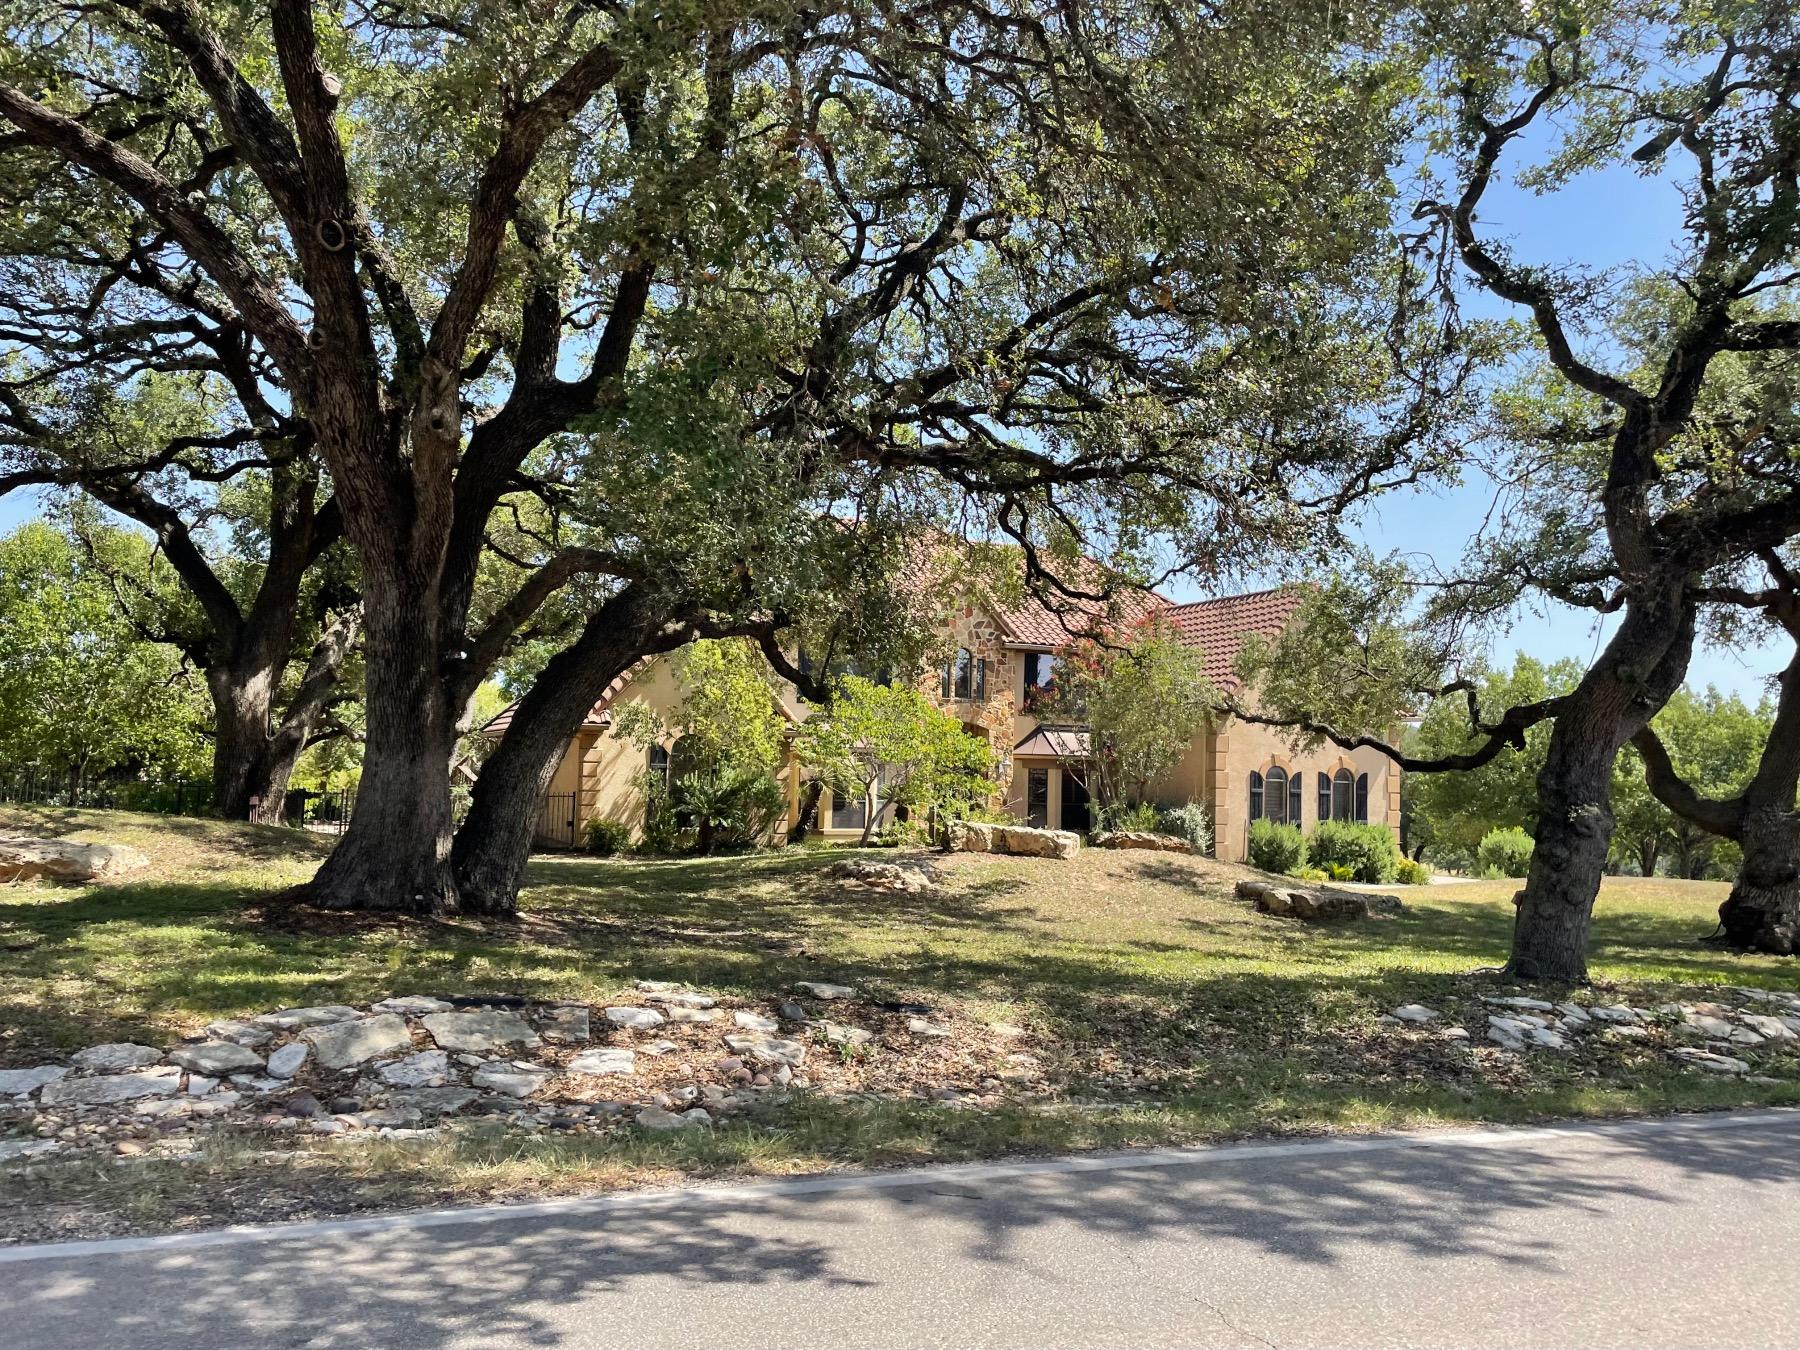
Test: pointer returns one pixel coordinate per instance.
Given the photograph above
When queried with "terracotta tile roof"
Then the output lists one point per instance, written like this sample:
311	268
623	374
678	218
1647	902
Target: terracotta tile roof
598	717
1034	623
1219	627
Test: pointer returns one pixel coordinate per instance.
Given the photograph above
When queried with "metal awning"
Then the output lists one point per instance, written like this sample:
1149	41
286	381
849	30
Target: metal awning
1055	743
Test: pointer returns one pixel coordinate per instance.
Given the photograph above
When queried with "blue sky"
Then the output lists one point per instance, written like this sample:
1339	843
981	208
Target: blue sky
1616	218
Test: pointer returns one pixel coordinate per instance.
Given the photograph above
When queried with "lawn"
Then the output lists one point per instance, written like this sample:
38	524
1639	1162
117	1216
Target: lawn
1154	1006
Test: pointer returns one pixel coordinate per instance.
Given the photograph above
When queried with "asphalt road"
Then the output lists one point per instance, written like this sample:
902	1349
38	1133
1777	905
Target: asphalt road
1671	1233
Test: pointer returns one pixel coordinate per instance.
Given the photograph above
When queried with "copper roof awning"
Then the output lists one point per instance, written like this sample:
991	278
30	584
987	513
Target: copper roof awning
1055	743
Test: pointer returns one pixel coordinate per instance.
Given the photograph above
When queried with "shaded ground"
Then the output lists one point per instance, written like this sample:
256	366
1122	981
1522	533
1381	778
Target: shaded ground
1158	1008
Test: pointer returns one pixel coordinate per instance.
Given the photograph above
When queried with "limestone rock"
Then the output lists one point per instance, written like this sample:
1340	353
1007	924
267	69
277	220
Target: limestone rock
1528	1004
655	1118
1141	839
638	1019
821	990
290	1059
412	1005
515	1080
428	1068
239	1033
65	860
1305	903
479	1029
1618	1014
344	1045
1713	1028
768	1050
115	1057
162	1081
217	1058
568	1022
920	1027
750	1021
436	1101
682	998
1769	1028
1028	842
610	1059
1416	1012
1706	1059
968	836
693	1014
901	878
293	1019
836	1033
18	1082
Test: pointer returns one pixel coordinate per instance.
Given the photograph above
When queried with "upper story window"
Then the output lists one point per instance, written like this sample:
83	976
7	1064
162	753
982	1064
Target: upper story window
965	676
659	764
1275	796
1040	677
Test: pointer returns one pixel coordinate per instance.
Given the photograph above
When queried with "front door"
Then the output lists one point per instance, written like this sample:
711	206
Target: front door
1075	800
1037	797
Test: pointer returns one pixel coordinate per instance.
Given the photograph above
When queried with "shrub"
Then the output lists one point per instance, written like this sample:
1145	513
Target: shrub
1277	848
1118	816
733	807
605	837
1412	873
1506	853
1366	852
1192	822
662	828
1311	874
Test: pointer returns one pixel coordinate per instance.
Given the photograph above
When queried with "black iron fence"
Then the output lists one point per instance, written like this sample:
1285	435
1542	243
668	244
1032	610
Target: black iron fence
556	824
29	788
321	812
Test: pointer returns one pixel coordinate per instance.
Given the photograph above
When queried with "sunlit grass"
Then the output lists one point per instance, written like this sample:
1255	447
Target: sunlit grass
1163	1010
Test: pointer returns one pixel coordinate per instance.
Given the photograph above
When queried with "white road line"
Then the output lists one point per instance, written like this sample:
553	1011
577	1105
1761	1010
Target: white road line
739	1196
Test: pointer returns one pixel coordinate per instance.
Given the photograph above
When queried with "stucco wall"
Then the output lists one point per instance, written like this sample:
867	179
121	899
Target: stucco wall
1246	747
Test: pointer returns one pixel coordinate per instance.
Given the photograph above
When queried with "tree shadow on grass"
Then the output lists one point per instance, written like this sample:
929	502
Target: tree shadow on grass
1155	1251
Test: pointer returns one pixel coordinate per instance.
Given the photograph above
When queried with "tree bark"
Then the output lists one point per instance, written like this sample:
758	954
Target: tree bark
395	853
1640	668
494	842
1762	913
809	811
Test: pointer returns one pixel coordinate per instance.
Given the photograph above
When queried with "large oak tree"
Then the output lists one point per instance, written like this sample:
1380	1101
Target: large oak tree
1113	275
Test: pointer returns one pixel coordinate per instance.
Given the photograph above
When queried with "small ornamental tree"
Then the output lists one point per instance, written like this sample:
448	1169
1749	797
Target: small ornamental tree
888	744
1143	697
727	734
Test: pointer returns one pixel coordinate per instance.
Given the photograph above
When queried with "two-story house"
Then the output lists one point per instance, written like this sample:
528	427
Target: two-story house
1001	658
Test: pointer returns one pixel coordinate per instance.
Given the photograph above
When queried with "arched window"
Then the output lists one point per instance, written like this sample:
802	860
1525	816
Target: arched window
659	764
1343	788
1362	797
1275	795
1324	796
1256	795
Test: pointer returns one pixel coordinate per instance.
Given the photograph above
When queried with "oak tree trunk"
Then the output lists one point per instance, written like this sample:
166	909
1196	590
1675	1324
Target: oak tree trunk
395	853
1642	666
1762	913
251	763
494	842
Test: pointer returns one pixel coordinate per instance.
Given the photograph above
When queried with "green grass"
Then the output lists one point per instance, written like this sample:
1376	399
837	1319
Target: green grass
1162	1009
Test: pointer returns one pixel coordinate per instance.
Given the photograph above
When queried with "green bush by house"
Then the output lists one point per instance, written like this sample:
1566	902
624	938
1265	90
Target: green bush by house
1277	848
1360	852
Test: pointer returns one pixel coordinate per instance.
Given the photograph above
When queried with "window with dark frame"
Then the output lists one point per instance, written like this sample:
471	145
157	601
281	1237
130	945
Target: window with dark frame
847	813
964	677
1275	796
1324	796
1040	677
1362	798
1256	795
1343	796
